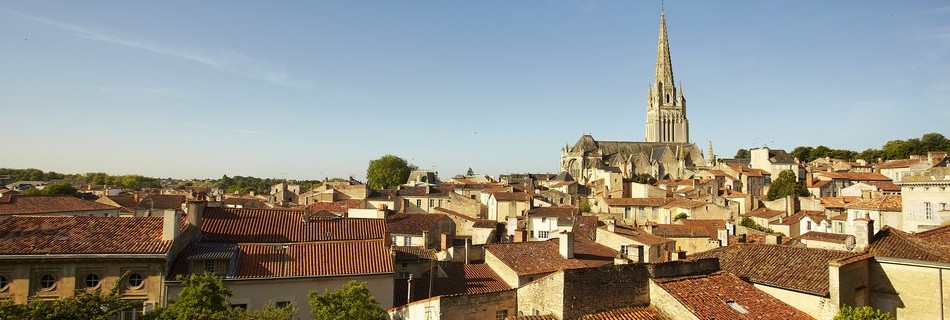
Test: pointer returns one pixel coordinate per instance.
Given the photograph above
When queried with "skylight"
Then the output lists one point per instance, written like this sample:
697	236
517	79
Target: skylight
737	307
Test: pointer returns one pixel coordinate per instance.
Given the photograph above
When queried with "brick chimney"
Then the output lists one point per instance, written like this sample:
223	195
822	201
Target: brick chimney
611	225
566	244
445	241
863	232
171	224
194	210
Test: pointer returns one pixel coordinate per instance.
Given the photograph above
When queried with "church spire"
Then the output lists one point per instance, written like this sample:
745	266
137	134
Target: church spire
664	66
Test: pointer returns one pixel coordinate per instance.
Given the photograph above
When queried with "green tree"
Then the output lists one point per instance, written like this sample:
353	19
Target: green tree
742	154
861	313
272	312
470	172
203	296
387	172
55	189
584	206
352	301
802	153
785	185
680	217
644	178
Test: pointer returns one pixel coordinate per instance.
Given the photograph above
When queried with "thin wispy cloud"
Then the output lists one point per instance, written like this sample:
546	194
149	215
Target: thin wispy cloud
252	132
141	91
228	61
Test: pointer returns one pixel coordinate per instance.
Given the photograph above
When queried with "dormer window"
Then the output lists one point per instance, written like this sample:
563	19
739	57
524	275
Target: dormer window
209	266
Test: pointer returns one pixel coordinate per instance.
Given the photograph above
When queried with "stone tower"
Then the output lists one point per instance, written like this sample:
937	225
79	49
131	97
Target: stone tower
666	107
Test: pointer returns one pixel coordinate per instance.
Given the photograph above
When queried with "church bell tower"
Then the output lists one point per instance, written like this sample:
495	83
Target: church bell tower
666	106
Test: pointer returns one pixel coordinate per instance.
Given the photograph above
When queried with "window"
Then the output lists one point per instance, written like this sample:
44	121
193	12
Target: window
943	207
543	219
839	227
501	314
92	280
402	275
405	203
431	203
928	211
419	203
641	213
627	213
808	225
136	280
132	314
624	249
543	234
4	283
532	233
47	282
407	241
209	266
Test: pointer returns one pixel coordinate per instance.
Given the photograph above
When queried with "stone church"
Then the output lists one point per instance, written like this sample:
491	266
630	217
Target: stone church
666	152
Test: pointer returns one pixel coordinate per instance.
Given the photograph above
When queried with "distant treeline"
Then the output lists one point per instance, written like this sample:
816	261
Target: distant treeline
132	182
243	185
892	150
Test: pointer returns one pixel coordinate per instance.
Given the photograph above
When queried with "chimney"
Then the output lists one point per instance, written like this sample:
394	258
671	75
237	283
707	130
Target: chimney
723	235
520	235
194	210
742	238
863	232
425	238
445	241
791	205
648	227
809	179
730	227
171	224
611	225
381	211
566	242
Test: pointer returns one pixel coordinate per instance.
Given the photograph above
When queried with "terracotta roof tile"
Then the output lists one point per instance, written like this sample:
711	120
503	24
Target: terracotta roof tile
82	235
681	231
639	202
628	313
712	225
161	201
532	317
765	213
893	243
460	279
413	253
885	203
413	223
795	268
24	204
855	176
278	226
527	258
903	163
638	235
561	212
709	297
685	203
512	196
839	238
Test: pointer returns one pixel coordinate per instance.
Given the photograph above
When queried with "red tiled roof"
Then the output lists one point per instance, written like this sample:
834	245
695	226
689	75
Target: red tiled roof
855	176
527	258
885	203
279	226
314	259
82	235
685	203
903	163
123	200
561	212
512	196
638	202
681	231
532	317
708	297
413	253
340	206
24	204
839	238
413	223
928	246
794	268
161	201
885	185
712	225
765	213
460	279
627	313
638	235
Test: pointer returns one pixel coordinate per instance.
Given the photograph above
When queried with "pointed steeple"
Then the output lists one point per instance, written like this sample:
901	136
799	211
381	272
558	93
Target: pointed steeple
664	66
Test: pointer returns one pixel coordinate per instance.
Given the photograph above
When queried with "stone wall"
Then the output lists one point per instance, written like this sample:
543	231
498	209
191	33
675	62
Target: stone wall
604	288
543	296
668	305
479	306
910	290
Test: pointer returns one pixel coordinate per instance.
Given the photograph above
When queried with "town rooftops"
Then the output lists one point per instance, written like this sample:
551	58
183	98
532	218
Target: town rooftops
536	257
280	226
838	238
681	231
894	164
512	196
780	156
837	202
723	295
626	313
933	245
340	206
885	203
793	268
81	235
854	176
638	235
765	213
415	223
560	212
685	204
161	201
638	202
459	278
30	204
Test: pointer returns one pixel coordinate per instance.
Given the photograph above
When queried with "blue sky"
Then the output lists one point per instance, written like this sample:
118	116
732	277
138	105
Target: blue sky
307	89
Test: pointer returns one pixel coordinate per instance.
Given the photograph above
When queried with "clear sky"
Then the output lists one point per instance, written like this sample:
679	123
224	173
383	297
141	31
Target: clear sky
307	89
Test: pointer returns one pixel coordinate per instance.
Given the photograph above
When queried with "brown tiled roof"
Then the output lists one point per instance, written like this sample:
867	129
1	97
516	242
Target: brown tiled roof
893	243
340	206
426	191
161	201
794	268
708	297
628	313
856	176
532	317
839	238
278	226
512	196
24	204
459	278
885	203
903	163
639	202
939	235
527	258
681	231
712	225
123	200
885	185
413	223
561	212
765	213
82	235
685	203
329	258
413	253
820	183
586	226
840	217
735	194
638	235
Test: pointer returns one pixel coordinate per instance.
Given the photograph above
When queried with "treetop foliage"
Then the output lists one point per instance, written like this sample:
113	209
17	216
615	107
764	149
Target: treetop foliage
892	150
786	185
84	304
352	301
55	189
861	313
387	172
742	154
